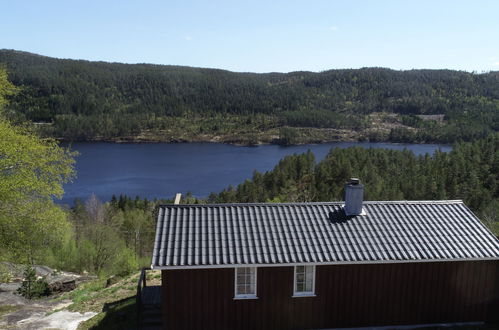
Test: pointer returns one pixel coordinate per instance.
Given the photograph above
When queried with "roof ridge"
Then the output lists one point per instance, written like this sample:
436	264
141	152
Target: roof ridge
450	201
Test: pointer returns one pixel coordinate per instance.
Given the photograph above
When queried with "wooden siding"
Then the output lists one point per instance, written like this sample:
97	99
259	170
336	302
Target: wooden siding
346	296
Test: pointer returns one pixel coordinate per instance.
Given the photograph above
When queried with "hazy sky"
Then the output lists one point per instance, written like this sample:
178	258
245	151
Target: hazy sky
260	36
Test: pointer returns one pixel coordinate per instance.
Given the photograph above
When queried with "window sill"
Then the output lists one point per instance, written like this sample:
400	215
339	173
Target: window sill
245	298
304	295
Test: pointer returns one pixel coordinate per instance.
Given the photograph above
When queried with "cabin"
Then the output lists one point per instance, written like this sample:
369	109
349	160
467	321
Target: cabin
325	265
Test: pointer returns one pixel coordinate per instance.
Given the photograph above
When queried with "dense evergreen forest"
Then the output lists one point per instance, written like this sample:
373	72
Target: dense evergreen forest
469	172
82	100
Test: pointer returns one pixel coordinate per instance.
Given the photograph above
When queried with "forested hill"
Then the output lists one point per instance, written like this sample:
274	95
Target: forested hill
82	100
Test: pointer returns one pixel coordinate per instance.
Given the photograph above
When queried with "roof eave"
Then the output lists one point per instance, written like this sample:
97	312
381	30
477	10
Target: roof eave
322	263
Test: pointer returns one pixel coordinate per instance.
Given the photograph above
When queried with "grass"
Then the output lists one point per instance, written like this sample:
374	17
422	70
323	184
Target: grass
115	304
6	309
86	291
120	315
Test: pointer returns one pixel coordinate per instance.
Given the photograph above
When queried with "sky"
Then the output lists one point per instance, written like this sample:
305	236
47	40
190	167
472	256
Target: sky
260	36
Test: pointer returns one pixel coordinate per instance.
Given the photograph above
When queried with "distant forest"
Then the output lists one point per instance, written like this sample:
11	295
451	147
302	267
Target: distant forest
82	100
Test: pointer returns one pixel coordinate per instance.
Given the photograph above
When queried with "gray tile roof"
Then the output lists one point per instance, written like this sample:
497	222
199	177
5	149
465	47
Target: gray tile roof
299	233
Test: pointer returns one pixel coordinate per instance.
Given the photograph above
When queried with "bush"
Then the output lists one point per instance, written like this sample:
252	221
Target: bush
33	287
5	275
126	263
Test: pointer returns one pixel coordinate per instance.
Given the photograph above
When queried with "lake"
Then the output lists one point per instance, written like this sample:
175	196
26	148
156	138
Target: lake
160	169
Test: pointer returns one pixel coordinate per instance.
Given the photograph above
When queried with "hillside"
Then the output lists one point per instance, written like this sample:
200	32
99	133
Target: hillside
82	100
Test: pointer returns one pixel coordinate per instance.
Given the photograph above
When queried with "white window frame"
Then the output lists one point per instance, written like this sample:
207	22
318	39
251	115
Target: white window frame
245	296
297	293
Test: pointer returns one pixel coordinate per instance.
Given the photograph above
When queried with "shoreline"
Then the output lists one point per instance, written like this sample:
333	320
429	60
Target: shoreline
249	145
244	141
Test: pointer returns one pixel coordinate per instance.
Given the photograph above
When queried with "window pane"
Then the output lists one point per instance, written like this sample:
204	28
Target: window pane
308	285
245	281
304	279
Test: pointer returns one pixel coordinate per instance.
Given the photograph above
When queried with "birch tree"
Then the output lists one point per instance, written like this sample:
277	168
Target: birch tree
32	172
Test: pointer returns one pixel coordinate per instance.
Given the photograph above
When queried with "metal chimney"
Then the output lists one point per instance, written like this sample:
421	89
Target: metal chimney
354	197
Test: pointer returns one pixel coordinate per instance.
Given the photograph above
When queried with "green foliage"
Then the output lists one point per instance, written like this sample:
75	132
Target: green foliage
126	262
5	275
320	118
85	292
288	136
469	172
119	316
7	89
489	214
109	238
33	287
100	247
81	100
31	166
32	172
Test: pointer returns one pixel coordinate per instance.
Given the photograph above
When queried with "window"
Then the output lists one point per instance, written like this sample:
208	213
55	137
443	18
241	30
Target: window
245	283
304	281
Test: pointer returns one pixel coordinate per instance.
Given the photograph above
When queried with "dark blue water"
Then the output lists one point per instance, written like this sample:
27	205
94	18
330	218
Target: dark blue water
161	170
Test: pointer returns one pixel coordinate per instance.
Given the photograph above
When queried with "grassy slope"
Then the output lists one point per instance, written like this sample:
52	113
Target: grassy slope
115	304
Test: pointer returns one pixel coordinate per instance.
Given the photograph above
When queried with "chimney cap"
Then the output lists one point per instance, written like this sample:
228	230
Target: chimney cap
354	181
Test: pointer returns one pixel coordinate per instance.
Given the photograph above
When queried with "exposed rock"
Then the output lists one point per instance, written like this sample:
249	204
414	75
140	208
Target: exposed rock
9	287
32	314
112	280
37	318
59	286
10	298
43	270
58	281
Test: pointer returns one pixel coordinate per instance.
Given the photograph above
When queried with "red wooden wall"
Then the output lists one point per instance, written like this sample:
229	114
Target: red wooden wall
346	296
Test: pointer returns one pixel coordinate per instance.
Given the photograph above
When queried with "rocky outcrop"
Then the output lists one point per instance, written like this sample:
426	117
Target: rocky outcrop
62	286
59	281
36	313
